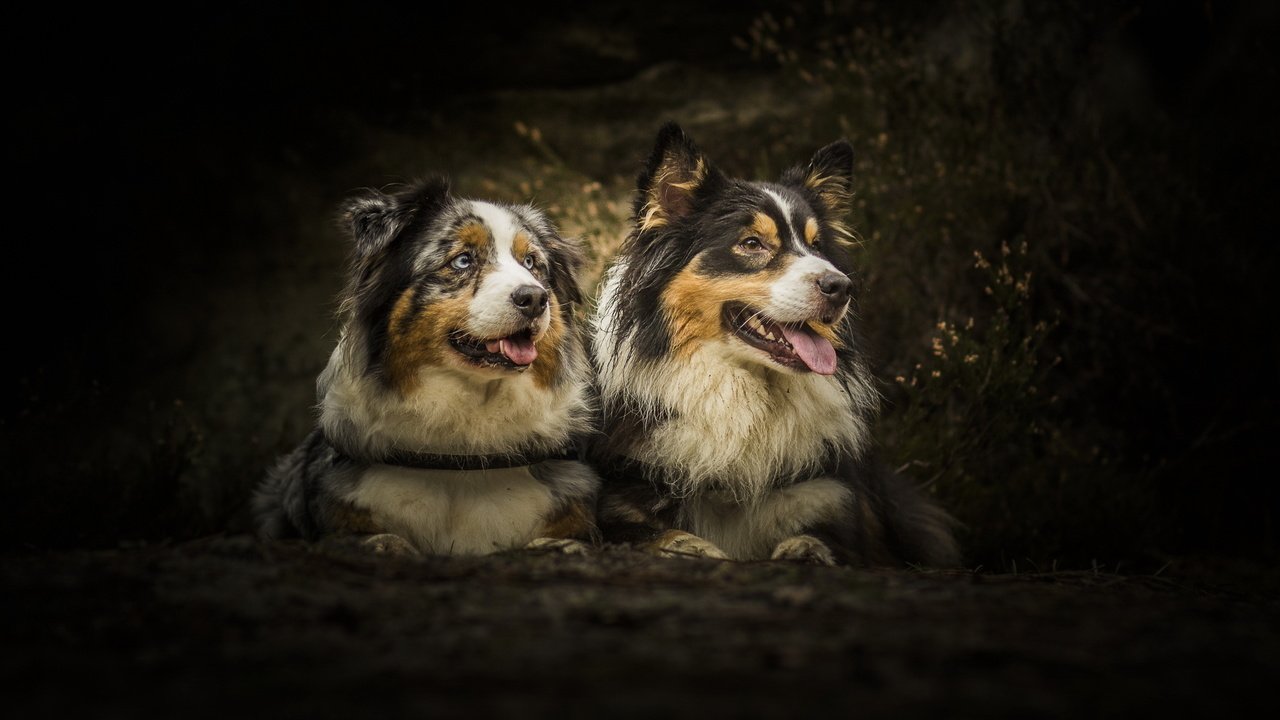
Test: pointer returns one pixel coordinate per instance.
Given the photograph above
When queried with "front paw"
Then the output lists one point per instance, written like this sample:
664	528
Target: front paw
388	544
562	546
678	543
805	549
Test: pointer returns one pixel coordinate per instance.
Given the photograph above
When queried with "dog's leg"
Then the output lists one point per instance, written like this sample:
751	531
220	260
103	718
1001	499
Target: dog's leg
803	549
678	543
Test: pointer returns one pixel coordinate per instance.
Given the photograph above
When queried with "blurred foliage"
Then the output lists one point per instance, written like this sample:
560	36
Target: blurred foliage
1024	218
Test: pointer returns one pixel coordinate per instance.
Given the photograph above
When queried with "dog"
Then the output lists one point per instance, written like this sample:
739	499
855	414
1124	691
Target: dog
453	405
735	393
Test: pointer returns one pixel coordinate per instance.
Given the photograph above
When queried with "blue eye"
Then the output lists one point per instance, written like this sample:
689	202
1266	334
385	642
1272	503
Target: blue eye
528	261
461	262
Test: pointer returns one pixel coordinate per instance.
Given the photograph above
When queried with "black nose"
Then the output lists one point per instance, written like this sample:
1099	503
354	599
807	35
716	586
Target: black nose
835	287
531	300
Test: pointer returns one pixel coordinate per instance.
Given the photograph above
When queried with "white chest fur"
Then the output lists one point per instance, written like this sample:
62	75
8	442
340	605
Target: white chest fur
455	513
749	531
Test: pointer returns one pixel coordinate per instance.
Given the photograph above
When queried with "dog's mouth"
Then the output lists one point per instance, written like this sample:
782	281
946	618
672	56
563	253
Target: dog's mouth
513	352
791	345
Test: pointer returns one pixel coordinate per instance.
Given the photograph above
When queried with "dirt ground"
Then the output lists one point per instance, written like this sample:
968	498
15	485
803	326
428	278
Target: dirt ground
227	626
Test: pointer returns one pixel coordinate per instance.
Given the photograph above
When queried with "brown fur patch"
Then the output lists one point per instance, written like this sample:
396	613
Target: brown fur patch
421	338
763	227
810	230
671	192
547	365
573	520
343	518
836	197
693	303
521	245
474	236
616	508
831	190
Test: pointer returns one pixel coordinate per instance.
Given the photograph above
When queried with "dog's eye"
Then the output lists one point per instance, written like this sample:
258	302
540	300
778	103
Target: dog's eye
751	244
528	261
461	262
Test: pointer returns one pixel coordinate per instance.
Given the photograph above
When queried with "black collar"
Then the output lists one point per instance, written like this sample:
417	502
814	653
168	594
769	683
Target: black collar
433	461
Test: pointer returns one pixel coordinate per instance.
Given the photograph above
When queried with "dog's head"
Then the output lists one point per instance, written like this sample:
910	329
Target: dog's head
442	282
760	265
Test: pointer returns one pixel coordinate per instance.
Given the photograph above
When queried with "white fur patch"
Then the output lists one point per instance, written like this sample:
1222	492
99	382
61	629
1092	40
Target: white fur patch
795	296
455	513
785	207
501	222
751	531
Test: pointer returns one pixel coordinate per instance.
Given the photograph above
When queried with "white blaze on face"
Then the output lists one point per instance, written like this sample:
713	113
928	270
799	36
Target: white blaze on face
795	296
786	231
492	312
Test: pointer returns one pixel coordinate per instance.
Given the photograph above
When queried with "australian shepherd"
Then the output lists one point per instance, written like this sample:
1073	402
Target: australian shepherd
452	408
736	397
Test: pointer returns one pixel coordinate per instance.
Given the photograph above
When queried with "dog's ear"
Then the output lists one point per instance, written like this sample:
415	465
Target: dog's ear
829	176
375	218
672	179
565	262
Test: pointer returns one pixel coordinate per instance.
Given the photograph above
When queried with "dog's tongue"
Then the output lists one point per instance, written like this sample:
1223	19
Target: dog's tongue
812	348
518	349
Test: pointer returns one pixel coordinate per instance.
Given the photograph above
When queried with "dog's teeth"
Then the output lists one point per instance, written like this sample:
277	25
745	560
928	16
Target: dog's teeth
755	324
769	336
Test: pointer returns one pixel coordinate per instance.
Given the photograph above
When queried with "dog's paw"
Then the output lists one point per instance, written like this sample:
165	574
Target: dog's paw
562	546
377	543
387	544
804	549
678	543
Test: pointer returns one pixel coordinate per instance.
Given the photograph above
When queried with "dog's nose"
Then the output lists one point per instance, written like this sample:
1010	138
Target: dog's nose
530	300
835	287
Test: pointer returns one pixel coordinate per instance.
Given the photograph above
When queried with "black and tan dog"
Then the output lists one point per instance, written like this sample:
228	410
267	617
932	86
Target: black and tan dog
736	397
450	408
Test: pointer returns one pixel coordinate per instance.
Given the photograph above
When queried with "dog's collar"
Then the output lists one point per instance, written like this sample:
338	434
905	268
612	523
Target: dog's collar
438	461
433	461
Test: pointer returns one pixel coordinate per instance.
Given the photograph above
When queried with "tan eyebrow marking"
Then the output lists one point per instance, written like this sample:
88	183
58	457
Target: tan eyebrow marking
473	235
810	230
763	227
521	245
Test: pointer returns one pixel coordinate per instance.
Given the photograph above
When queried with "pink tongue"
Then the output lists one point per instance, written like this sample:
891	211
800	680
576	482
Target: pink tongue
813	349
519	350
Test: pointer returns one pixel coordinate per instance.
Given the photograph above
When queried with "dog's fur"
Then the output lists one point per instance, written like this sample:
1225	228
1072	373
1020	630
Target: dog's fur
716	442
441	323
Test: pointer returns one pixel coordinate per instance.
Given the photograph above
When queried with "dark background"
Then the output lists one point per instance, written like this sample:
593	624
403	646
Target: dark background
172	265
